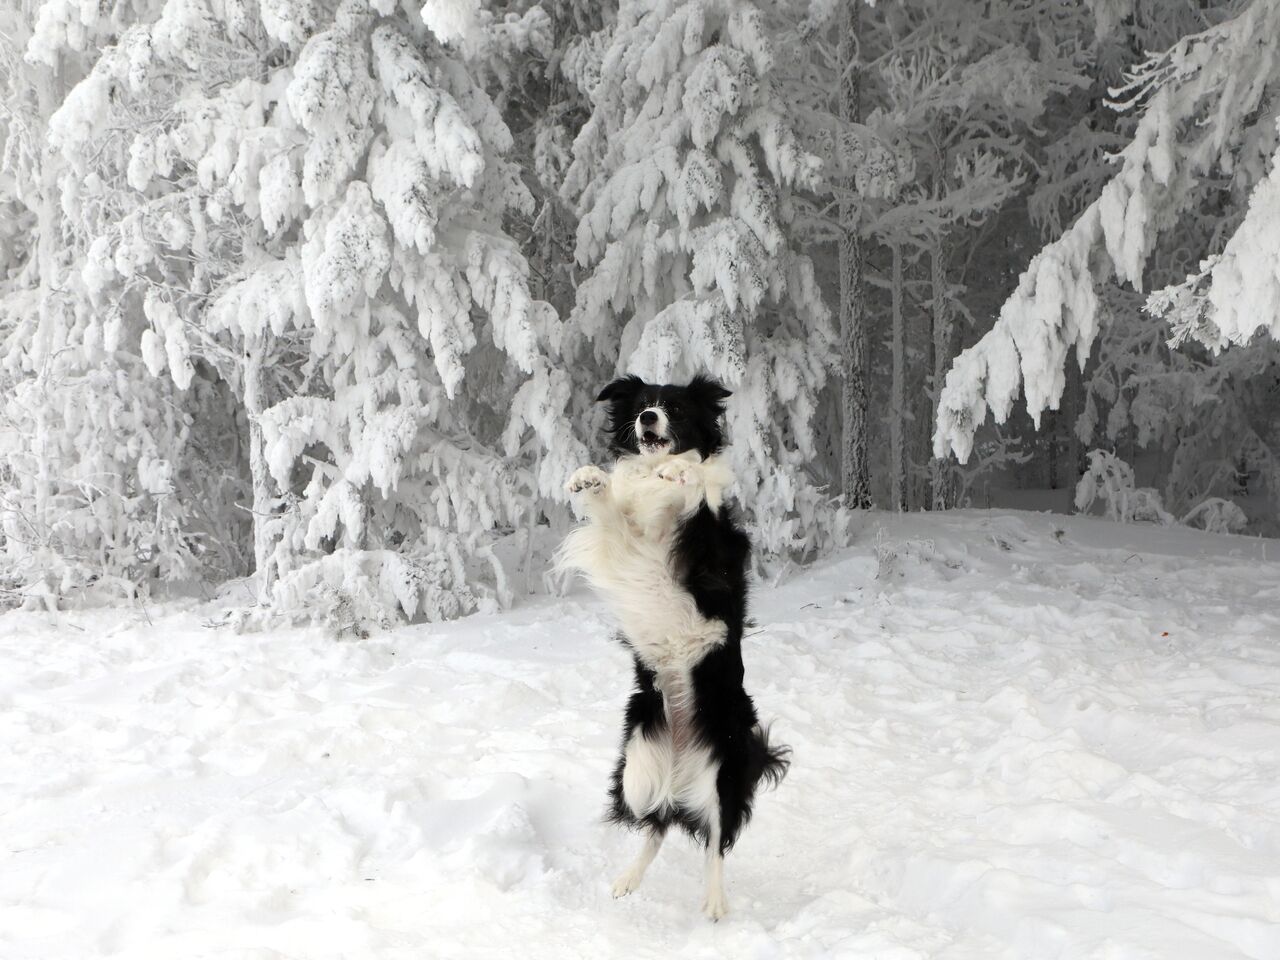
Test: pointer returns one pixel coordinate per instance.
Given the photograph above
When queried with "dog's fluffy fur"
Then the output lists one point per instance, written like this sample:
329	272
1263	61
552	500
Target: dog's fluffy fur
665	550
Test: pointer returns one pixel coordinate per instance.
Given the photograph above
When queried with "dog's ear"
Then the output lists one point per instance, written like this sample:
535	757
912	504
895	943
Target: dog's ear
623	387
709	390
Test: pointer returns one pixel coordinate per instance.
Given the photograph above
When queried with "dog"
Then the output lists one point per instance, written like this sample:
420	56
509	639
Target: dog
664	548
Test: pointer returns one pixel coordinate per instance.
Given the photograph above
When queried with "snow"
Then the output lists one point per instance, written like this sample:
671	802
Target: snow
1244	293
1016	735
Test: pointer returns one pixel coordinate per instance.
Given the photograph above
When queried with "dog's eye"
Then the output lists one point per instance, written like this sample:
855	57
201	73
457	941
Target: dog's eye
673	409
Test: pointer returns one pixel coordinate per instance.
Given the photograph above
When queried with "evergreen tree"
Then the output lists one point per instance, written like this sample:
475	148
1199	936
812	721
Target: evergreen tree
1200	102
97	457
1202	145
683	178
308	202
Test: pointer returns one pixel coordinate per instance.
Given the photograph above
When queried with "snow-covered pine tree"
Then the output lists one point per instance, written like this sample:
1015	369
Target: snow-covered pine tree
683	176
312	203
545	111
965	89
953	97
1197	424
1160	413
97	457
1204	118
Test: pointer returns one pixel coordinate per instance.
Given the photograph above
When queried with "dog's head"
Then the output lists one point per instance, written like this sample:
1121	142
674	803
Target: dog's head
653	420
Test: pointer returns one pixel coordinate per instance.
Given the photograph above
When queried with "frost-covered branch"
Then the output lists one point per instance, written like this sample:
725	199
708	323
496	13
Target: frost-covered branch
1200	99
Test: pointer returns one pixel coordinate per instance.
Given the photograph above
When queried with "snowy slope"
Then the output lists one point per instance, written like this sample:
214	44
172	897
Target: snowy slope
1015	736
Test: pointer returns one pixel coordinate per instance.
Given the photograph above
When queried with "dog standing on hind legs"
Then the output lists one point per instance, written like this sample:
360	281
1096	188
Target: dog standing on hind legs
666	552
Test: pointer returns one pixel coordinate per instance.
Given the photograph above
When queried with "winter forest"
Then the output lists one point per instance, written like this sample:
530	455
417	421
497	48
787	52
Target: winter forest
323	292
305	307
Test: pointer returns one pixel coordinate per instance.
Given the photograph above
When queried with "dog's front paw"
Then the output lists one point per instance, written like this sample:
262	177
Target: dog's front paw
680	472
588	479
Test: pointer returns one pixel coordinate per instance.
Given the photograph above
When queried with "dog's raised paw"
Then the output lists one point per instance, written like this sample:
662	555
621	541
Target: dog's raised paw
589	479
683	474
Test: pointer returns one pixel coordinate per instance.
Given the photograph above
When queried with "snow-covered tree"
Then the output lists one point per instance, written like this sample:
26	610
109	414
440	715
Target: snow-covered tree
1207	421
966	88
309	202
321	290
1207	133
952	102
97	456
683	177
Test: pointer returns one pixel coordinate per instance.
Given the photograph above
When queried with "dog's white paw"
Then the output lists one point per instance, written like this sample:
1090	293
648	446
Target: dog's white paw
716	906
626	883
589	479
679	472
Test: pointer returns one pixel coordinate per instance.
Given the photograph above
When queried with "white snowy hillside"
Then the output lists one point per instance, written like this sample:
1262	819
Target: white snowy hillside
1015	736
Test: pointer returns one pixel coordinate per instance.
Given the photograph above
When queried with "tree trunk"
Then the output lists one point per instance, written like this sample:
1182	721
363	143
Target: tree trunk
941	479
855	473
920	406
256	349
1072	404
897	402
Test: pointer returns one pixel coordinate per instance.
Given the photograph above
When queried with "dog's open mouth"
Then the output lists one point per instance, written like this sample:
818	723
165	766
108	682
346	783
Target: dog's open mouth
652	443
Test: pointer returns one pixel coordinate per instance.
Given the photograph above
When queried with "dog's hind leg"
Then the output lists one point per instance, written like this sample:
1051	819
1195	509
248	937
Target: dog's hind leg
716	905
631	878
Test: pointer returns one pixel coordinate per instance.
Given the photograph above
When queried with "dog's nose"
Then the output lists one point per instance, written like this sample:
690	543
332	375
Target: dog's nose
648	418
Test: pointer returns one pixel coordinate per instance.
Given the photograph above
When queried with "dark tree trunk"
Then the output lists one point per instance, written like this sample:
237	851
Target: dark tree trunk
855	472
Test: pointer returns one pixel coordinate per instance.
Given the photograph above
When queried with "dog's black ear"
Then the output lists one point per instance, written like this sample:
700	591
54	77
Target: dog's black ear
622	387
709	389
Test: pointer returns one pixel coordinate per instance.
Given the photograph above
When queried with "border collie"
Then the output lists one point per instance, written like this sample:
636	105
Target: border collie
665	550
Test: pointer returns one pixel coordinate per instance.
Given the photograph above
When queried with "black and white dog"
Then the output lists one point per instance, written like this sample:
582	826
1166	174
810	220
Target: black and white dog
665	550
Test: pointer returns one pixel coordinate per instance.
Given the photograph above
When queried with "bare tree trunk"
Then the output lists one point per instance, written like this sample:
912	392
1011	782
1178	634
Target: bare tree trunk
941	480
855	472
920	406
366	540
1071	406
256	349
897	401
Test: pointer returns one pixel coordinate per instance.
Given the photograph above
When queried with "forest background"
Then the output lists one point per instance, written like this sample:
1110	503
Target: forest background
315	297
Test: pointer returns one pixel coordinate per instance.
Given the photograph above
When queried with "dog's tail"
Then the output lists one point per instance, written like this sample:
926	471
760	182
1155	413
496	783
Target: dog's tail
771	761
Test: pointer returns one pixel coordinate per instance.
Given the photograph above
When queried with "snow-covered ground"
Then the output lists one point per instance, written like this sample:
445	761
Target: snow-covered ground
1015	735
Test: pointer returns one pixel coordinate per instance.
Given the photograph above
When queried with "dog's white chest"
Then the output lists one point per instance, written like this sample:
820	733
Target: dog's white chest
625	554
657	614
